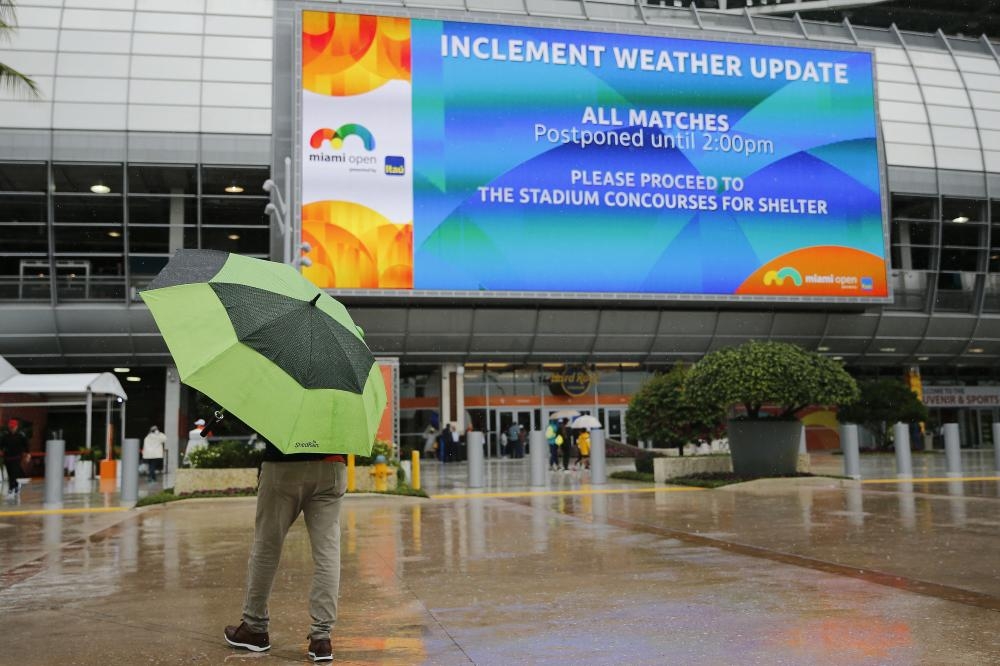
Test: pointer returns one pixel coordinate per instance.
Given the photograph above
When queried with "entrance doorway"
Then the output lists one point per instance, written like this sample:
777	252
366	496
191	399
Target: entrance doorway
505	418
613	419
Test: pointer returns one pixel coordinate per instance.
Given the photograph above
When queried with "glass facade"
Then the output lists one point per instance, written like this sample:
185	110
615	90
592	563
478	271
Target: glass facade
100	232
945	253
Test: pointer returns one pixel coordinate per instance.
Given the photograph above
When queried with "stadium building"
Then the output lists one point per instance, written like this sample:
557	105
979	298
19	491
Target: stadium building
511	281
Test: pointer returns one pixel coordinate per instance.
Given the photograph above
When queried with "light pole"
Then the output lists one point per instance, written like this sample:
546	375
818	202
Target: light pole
278	209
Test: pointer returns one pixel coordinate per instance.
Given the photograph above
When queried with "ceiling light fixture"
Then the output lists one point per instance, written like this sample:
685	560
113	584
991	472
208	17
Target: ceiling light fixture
960	219
887	349
976	350
133	378
115	234
923	358
837	358
822	349
100	188
122	370
234	189
233	236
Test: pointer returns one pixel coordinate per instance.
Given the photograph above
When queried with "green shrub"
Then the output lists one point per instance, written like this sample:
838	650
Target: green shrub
663	413
226	455
628	475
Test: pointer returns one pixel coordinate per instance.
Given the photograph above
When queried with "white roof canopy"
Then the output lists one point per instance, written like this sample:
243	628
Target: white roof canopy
101	383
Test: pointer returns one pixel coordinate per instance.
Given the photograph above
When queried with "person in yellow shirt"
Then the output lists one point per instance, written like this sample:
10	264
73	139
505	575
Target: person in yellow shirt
583	447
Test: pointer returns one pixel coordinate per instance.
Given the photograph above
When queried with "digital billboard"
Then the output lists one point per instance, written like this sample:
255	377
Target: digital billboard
441	155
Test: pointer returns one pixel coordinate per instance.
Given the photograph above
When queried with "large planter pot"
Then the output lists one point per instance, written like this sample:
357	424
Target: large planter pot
764	447
83	470
192	479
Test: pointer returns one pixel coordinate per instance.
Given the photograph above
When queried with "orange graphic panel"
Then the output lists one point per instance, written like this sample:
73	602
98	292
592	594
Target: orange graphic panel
819	271
386	425
356	248
347	54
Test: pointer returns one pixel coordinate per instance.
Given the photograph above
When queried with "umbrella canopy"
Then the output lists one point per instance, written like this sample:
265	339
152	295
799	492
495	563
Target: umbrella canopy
564	414
271	348
587	421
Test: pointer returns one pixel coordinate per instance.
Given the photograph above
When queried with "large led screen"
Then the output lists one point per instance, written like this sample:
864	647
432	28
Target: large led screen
441	155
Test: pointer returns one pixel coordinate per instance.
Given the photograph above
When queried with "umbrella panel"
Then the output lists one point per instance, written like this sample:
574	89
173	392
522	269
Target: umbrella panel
304	341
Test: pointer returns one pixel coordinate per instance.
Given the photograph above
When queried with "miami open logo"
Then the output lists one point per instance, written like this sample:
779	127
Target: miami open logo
778	277
337	137
356	161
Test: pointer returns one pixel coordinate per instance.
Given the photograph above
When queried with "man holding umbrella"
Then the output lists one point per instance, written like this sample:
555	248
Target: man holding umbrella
290	484
287	360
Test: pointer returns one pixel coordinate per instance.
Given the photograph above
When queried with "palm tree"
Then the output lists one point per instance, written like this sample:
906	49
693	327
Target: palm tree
10	78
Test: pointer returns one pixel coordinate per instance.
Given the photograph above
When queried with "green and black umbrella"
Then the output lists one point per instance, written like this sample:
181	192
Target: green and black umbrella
271	348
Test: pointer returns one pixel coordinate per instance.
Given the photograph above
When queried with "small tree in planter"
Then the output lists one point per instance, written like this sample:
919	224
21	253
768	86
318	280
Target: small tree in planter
883	402
763	385
662	412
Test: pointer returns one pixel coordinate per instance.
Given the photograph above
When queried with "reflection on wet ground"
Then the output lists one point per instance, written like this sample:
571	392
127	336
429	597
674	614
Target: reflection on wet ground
796	571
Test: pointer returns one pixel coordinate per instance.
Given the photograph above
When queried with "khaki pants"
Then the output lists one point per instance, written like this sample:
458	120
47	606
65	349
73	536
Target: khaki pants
287	489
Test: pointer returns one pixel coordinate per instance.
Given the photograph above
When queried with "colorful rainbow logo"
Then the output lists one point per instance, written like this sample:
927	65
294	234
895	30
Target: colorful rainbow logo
338	136
778	277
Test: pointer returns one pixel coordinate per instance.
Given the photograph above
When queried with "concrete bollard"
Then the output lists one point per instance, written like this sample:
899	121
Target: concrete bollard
130	472
952	449
539	458
803	448
904	462
996	448
598	468
55	450
474	444
849	446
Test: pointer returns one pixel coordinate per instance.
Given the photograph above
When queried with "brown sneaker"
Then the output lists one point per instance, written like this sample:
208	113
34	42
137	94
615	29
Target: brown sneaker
242	637
320	649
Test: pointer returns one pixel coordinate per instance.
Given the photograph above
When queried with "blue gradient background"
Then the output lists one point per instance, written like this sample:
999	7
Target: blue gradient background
473	125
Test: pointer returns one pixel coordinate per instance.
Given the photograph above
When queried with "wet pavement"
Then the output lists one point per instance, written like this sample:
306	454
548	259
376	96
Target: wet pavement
792	571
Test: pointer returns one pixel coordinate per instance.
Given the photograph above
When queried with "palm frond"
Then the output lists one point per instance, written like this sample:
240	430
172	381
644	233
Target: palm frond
8	15
14	81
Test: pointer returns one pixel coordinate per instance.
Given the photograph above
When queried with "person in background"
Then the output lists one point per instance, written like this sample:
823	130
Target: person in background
430	441
444	443
195	441
583	450
552	436
152	451
13	444
567	443
522	440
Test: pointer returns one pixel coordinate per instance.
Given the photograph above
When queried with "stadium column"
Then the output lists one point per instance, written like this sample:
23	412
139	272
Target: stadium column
171	422
453	395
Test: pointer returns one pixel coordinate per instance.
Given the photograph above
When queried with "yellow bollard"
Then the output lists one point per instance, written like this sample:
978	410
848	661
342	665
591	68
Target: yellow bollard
415	469
351	485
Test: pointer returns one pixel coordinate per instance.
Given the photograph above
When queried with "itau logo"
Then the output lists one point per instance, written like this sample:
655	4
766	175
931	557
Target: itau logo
337	137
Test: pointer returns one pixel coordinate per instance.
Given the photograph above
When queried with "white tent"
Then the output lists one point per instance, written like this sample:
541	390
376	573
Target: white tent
65	389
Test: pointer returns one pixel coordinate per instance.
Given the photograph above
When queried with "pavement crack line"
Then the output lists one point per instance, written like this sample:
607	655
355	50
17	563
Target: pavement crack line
916	586
404	584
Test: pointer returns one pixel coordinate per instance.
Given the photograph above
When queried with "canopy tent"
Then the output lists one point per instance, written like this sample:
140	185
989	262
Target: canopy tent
66	389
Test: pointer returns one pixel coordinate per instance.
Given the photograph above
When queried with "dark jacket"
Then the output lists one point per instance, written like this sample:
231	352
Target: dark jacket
272	454
13	444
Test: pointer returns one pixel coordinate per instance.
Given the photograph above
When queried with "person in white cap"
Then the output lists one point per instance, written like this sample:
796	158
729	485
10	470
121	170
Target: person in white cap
195	441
